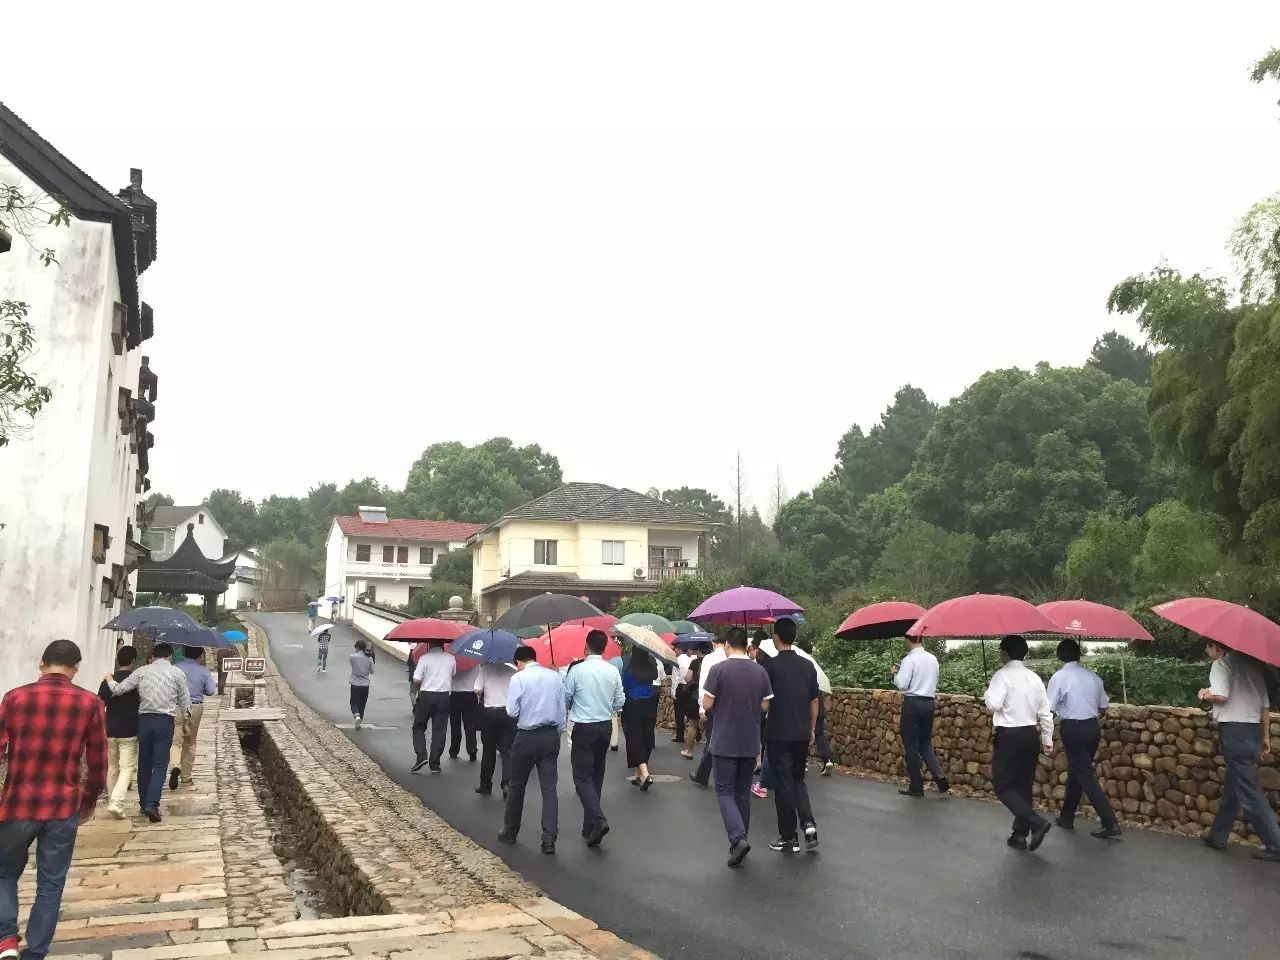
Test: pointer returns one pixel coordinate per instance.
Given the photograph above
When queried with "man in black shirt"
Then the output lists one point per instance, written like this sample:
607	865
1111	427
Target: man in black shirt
122	734
793	715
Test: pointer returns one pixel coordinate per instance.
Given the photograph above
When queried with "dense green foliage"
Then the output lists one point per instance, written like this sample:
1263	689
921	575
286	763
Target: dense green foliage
454	567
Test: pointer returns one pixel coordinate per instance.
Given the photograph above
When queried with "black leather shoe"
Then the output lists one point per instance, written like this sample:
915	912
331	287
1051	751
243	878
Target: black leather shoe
943	785
173	778
694	778
507	837
1211	843
1038	834
738	852
597	835
1018	843
1270	856
907	792
1106	833
1064	823
152	814
548	847
484	791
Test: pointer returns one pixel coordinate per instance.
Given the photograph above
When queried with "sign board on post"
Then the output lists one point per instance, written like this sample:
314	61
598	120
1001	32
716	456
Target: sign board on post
255	666
232	664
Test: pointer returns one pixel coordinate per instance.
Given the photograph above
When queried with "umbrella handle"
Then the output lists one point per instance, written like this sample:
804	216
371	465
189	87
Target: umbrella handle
983	642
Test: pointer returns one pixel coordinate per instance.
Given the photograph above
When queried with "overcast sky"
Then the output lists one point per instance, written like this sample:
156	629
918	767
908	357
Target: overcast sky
642	235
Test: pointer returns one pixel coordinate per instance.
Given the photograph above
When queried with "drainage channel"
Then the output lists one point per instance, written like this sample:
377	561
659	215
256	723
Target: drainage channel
310	895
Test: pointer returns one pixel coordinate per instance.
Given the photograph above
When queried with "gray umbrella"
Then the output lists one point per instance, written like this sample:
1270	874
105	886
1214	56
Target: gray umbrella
544	610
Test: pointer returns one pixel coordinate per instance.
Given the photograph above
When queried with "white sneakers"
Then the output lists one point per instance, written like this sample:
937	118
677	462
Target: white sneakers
359	720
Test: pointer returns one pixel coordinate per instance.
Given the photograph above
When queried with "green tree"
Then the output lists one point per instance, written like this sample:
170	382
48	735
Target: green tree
674	599
453	567
926	564
451	481
536	471
1102	564
237	514
430	600
1267	68
287	567
871	463
1117	355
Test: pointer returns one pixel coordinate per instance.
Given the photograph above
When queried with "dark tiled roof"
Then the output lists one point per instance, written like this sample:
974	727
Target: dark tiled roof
564	583
172	516
188	559
599	501
153	580
87	199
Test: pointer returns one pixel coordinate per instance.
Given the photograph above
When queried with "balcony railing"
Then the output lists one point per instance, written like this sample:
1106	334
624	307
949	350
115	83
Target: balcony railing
393	571
671	573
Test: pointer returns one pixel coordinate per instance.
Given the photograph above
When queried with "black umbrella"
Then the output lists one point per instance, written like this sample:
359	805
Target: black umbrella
153	618
544	610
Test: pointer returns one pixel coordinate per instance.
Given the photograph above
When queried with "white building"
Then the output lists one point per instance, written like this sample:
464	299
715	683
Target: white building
245	588
168	528
385	560
69	486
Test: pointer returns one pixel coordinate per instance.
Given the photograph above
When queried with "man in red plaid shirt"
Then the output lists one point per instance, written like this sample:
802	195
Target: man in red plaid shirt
47	730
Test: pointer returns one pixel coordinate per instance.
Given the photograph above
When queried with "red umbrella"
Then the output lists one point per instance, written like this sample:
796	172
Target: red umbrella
568	642
603	622
1229	624
1085	618
427	628
982	615
880	621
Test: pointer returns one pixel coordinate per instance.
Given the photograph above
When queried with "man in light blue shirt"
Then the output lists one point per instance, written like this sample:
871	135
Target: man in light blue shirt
535	699
1077	696
917	677
593	693
200	683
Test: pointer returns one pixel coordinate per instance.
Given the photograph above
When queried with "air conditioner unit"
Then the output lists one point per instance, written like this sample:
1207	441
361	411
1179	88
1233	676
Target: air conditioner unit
639	573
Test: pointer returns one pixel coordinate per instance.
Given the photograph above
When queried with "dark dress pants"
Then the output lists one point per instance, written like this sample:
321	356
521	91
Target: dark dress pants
587	756
359	700
1241	743
463	707
820	744
1080	738
733	794
787	762
705	764
497	731
916	727
1013	771
430	710
678	703
532	749
639	719
155	738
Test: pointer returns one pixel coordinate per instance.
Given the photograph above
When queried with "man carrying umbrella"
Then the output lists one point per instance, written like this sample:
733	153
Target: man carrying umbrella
1077	696
1238	693
917	677
433	678
1019	705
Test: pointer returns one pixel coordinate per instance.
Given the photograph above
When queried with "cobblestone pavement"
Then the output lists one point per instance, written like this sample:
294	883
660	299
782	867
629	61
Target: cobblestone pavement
206	882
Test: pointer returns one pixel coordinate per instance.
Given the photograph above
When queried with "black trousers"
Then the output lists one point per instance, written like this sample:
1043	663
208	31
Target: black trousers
678	700
1080	738
587	755
787	762
916	728
497	732
359	700
534	749
1013	771
464	711
430	709
639	718
703	773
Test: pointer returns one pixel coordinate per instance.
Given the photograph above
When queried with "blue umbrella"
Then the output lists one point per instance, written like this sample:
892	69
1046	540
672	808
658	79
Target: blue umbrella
235	636
199	637
152	618
691	641
487	646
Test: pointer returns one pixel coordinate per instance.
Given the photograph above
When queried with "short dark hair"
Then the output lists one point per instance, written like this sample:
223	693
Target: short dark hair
1069	650
736	638
193	653
360	644
785	630
61	653
759	636
597	640
1015	646
125	656
162	651
525	653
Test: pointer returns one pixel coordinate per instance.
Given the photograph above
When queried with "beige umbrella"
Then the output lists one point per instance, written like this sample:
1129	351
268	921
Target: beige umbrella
646	639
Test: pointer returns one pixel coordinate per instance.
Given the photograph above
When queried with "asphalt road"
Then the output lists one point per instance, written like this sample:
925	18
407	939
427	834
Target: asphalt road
894	878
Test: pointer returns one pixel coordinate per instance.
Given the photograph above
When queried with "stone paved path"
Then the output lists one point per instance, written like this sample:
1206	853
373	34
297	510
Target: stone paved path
139	891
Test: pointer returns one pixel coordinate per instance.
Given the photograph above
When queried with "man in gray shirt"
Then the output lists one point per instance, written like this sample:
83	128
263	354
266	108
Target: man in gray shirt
1238	692
163	694
361	679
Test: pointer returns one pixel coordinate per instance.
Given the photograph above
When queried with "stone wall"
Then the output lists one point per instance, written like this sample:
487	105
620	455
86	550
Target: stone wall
1159	765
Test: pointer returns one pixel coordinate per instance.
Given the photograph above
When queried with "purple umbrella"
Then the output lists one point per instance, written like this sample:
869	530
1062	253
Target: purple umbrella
745	605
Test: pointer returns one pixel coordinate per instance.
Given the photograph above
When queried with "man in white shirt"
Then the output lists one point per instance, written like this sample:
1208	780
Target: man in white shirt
434	679
497	727
1077	696
463	713
718	654
917	677
1020	708
1238	692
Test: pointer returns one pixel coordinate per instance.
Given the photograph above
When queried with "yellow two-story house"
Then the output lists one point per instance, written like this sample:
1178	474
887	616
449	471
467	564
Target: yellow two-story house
587	539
